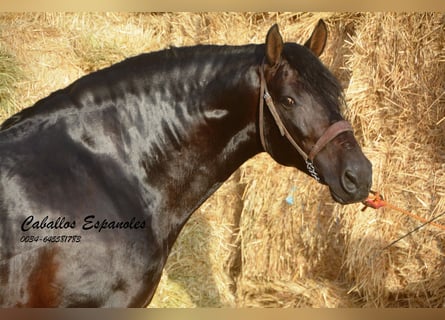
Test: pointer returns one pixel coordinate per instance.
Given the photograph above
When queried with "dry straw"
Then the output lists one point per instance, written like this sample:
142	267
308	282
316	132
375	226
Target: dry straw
247	245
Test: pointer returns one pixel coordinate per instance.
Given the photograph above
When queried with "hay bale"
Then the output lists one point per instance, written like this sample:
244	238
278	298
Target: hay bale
10	74
393	60
249	244
294	294
396	100
294	241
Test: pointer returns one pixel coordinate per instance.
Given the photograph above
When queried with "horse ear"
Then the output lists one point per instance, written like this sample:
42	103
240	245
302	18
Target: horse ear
317	41
274	45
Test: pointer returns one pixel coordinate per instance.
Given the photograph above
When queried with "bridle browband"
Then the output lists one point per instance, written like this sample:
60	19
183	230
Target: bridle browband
331	133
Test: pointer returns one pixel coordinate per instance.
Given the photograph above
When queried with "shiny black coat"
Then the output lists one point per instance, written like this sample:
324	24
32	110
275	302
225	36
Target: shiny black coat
148	139
97	179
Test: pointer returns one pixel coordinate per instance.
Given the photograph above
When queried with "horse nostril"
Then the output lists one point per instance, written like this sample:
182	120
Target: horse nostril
349	182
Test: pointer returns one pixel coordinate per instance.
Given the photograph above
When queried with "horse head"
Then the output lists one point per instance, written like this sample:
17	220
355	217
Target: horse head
304	127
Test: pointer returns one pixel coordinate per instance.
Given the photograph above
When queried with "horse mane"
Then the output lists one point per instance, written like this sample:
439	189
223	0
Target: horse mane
315	76
137	66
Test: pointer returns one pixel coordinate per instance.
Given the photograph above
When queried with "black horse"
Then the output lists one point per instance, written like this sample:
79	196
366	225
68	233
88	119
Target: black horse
97	179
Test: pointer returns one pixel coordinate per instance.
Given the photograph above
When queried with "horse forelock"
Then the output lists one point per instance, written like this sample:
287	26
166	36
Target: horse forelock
315	77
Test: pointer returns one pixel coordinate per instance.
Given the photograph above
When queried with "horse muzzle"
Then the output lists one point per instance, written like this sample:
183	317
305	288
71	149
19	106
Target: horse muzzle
354	182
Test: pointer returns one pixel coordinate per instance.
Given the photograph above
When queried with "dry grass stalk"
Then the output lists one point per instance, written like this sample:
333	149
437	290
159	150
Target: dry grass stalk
395	98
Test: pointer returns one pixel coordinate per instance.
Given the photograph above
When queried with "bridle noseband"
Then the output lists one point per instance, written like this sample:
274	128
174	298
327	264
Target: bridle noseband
331	133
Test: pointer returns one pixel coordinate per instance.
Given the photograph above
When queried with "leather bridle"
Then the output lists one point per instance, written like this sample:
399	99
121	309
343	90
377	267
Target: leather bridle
331	133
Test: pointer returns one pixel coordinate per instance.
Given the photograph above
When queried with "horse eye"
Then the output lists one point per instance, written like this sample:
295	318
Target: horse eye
288	101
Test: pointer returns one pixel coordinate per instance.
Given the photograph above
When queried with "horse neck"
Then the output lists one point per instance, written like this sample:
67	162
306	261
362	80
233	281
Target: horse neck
197	131
206	106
